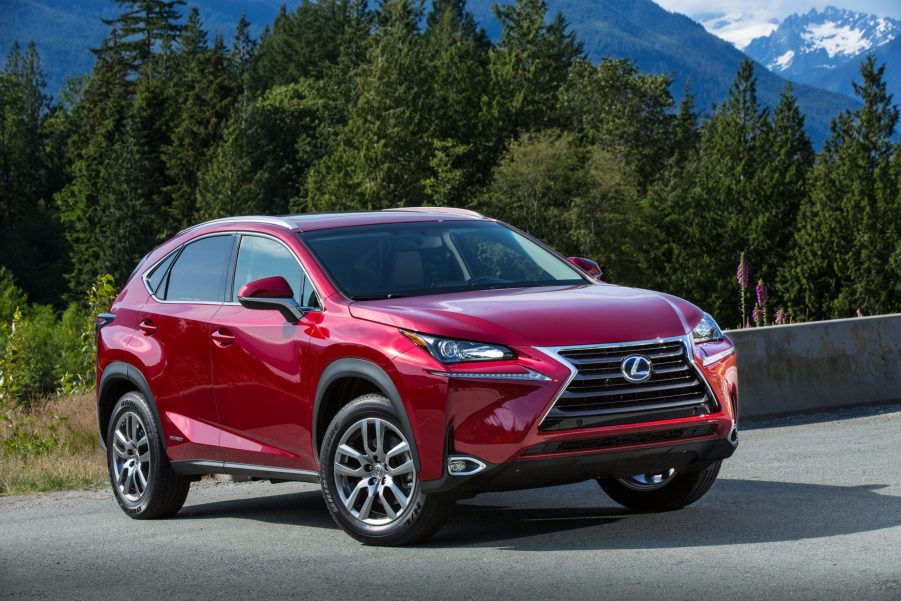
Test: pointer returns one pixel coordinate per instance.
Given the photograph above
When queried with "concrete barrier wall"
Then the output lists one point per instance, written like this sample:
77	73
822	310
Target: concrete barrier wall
817	366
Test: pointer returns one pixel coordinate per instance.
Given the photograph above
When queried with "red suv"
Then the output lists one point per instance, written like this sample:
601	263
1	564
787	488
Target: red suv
403	359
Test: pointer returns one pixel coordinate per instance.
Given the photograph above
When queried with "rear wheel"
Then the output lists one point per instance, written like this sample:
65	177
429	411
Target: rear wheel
369	480
665	491
143	481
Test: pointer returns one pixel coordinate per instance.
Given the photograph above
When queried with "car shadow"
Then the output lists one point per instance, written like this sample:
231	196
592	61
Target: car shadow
734	512
305	509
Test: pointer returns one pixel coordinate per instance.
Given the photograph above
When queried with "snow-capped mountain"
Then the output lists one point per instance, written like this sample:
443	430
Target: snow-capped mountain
805	48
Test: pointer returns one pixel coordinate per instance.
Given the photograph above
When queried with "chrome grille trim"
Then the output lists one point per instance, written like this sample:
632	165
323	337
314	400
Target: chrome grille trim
676	383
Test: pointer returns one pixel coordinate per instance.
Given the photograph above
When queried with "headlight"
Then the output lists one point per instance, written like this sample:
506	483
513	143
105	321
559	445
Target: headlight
447	350
706	330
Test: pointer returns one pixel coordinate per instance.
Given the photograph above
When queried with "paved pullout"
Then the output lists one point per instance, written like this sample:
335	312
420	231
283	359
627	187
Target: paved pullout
806	509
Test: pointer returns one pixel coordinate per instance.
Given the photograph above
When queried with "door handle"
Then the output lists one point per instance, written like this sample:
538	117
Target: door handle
147	327
223	338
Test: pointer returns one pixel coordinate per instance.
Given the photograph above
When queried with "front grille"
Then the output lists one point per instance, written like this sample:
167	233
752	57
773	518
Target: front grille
635	438
599	394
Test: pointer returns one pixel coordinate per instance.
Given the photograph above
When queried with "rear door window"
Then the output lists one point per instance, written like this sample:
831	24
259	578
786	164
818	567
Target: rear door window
199	272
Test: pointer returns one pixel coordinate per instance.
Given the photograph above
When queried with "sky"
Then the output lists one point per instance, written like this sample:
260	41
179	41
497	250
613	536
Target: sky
740	21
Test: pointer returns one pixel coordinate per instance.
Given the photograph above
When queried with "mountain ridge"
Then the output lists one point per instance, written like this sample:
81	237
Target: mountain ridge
659	41
824	48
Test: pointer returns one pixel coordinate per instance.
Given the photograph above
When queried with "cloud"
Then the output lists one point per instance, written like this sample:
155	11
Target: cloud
739	28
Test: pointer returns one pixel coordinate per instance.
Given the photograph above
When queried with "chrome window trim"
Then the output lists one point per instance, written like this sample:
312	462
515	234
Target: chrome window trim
554	353
178	250
237	250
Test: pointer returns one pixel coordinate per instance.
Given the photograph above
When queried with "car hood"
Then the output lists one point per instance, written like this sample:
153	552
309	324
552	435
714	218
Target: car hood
546	316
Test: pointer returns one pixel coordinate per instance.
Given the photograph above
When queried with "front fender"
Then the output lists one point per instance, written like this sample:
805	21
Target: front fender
372	373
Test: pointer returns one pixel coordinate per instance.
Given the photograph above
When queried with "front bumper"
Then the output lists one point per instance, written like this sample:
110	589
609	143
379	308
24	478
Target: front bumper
499	424
551	471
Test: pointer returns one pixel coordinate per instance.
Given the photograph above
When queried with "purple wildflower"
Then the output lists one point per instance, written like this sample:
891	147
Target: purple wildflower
780	317
755	315
742	273
762	293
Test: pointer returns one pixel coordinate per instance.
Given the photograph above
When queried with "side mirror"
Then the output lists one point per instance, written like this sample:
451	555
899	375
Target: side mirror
588	266
273	293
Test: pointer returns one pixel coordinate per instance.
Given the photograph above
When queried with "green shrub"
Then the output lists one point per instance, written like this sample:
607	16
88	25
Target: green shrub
41	352
11	297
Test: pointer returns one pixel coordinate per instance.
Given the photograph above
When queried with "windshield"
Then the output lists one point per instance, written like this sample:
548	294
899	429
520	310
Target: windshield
413	259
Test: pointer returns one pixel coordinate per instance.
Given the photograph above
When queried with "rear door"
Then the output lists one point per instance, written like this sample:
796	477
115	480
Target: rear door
259	364
188	288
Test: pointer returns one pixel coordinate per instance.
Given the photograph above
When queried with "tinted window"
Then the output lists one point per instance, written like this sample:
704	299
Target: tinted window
199	272
261	257
410	259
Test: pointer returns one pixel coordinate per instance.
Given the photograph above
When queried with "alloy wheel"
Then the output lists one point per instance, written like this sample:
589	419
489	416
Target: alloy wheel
374	471
131	457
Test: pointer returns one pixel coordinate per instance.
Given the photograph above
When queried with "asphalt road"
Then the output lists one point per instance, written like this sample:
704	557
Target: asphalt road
806	509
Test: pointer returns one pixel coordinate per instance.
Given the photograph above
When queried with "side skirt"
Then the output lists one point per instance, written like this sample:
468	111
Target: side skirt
261	472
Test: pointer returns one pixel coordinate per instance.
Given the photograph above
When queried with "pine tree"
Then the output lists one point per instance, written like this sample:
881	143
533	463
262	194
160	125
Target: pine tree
456	51
382	156
262	162
32	246
79	202
23	108
145	30
205	109
311	41
732	196
529	65
243	53
849	226
621	110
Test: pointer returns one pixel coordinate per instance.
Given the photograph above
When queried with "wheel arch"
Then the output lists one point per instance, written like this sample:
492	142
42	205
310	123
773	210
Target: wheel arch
117	379
361	376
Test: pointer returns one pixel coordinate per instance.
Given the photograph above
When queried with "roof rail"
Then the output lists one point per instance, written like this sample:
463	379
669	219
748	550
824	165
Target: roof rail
447	210
252	218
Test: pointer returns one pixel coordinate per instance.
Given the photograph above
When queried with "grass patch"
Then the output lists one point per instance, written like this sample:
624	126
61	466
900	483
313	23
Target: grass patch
53	445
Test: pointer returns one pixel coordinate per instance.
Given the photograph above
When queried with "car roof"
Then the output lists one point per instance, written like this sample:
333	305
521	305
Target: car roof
305	222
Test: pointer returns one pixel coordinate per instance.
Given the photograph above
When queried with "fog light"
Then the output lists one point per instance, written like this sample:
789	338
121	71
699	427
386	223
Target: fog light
464	466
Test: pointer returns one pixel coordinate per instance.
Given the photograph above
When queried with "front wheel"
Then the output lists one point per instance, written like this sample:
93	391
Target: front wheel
665	491
369	480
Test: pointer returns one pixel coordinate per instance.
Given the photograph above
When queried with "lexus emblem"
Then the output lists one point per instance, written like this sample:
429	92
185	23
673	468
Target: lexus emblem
636	368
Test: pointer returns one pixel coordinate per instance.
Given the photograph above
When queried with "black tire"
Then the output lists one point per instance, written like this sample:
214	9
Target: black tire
680	491
423	515
164	492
